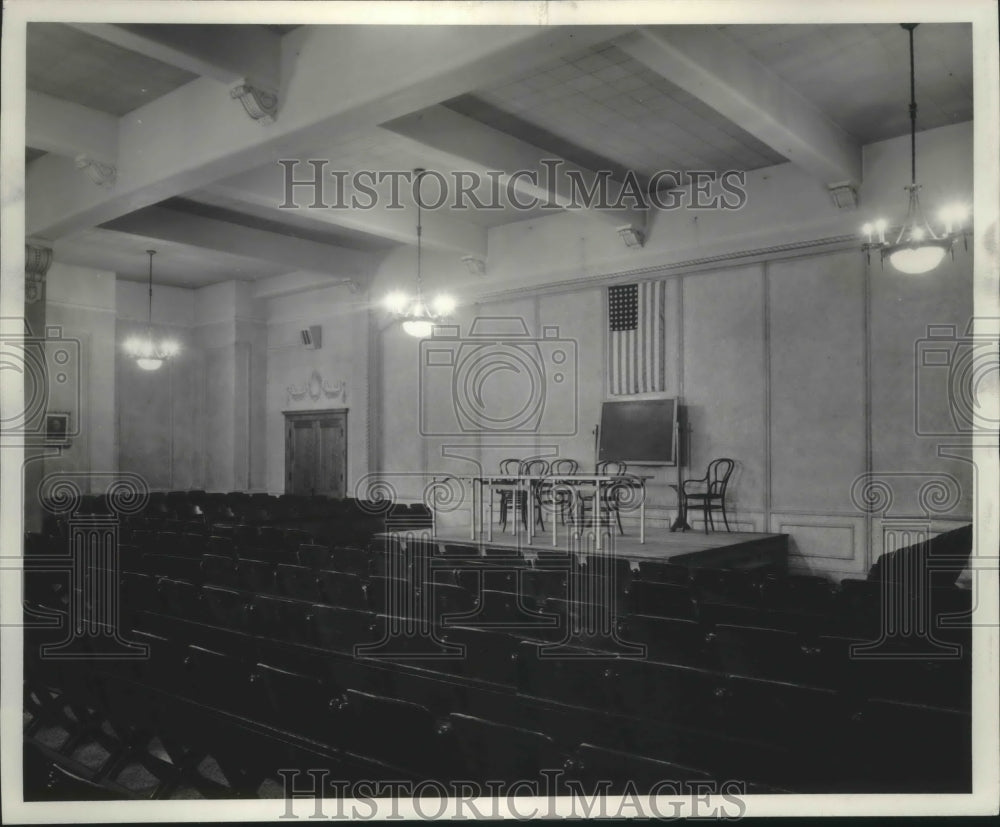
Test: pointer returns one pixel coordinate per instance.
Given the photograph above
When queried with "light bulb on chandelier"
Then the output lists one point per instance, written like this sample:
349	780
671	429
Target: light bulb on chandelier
148	352
415	316
917	248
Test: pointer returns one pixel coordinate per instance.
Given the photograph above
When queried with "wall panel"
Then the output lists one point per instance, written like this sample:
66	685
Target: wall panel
817	381
724	377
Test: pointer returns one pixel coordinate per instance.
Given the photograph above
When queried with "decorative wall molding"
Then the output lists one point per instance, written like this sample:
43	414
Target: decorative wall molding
631	236
316	388
475	265
104	175
260	104
678	269
844	195
37	261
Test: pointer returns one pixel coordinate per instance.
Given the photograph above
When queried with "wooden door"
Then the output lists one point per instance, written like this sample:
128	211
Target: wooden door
316	453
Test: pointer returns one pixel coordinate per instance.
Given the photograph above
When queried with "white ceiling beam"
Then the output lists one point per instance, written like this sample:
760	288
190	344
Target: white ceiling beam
470	144
226	53
266	187
225	237
289	283
705	63
69	130
186	139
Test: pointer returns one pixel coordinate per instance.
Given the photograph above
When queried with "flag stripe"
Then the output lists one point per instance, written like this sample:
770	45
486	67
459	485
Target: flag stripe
636	343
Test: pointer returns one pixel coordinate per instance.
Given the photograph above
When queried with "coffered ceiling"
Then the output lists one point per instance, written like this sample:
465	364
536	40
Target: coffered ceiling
196	176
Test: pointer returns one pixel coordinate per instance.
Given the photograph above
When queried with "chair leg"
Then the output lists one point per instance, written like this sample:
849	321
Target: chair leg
618	516
707	516
724	518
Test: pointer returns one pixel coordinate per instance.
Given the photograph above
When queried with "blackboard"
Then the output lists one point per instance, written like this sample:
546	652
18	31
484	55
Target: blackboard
639	431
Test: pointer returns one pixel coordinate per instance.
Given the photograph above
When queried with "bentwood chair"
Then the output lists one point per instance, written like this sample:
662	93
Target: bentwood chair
506	489
531	500
610	493
709	492
555	494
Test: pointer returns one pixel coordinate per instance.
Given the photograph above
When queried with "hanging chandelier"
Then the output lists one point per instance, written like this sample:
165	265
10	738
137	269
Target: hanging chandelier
917	248
150	354
415	315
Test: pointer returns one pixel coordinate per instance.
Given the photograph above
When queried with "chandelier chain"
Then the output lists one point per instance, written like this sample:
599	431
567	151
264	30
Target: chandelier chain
419	199
149	320
913	109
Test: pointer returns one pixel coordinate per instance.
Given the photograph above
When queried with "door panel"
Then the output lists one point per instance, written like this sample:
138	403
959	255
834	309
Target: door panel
331	457
316	453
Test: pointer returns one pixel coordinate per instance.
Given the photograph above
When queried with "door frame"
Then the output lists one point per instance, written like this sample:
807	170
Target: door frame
292	416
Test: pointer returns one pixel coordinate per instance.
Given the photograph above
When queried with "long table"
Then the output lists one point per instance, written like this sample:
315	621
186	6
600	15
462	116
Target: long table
484	487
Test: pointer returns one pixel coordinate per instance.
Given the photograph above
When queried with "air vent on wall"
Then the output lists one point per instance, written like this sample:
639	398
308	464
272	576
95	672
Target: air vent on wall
312	337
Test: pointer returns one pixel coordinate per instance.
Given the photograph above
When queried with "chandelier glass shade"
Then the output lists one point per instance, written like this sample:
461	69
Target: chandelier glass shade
149	352
415	315
917	247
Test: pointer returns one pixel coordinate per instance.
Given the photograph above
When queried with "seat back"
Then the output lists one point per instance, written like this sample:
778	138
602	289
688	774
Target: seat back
500	753
510	466
314	556
535	467
593	765
564	467
719	472
390	730
611	468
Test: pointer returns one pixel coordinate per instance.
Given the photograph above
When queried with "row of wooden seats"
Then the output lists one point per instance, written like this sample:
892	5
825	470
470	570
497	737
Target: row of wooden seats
735	638
773	727
905	668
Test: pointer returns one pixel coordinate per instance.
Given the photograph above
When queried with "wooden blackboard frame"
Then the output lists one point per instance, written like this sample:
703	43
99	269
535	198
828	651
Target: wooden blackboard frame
610	439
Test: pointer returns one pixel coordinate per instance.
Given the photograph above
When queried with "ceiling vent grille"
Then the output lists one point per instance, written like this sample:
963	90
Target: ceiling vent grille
312	337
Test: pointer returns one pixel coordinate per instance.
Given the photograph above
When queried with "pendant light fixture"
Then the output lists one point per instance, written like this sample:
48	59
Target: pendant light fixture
917	248
416	317
150	354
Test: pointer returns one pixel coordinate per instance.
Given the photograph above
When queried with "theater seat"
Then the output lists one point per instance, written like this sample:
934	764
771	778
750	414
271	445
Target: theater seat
313	555
218	680
490	656
281	618
488	751
341	629
614	772
349	560
297	582
660	600
390	731
667	639
219	570
760	653
344	590
226	607
297	703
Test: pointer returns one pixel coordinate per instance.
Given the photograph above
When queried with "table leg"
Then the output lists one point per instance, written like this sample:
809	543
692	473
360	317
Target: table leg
642	517
472	509
597	515
529	503
489	490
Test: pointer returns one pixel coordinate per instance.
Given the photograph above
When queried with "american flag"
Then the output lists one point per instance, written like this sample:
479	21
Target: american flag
636	348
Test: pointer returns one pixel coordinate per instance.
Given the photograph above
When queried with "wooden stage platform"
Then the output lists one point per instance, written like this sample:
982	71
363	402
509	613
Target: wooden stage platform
719	549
